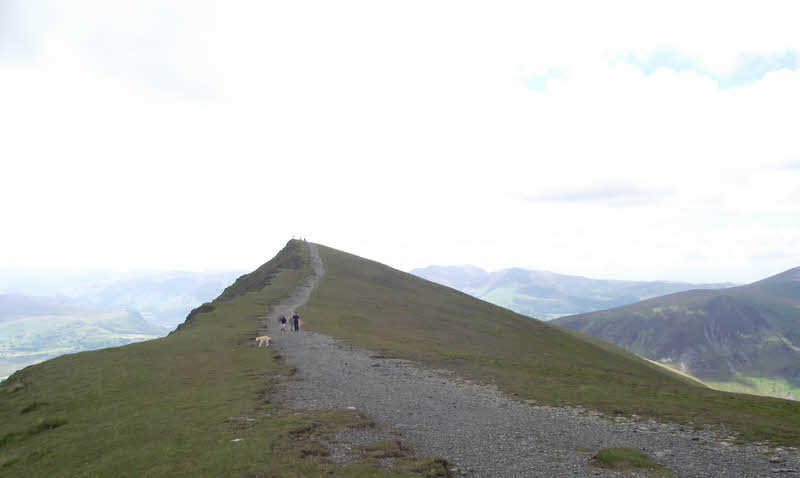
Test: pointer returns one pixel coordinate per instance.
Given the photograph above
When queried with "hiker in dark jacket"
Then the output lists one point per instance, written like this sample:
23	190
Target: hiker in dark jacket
296	322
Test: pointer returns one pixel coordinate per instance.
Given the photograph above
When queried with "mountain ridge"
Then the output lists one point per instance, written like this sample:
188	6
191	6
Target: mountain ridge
744	338
547	295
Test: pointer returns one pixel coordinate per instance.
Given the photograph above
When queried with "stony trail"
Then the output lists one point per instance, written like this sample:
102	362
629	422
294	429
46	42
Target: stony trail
483	432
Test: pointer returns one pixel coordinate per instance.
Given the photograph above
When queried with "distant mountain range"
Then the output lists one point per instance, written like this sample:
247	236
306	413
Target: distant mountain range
744	339
161	297
547	295
46	315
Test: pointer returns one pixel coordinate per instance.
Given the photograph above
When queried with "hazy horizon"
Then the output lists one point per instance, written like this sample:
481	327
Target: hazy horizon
7	274
118	270
494	271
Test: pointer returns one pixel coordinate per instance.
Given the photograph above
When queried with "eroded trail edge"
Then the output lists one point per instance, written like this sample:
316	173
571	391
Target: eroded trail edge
482	431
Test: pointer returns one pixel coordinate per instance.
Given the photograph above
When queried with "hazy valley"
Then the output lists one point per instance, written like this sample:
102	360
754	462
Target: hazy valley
45	315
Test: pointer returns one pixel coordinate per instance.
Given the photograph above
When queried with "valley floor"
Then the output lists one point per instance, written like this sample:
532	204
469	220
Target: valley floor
482	432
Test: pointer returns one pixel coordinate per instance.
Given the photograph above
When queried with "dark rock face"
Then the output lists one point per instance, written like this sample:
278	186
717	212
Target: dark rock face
752	330
729	317
732	332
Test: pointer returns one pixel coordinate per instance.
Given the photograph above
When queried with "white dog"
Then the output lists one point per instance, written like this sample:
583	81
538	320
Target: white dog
263	340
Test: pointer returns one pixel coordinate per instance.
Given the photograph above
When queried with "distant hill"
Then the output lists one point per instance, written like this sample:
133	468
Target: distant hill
14	306
547	295
743	338
161	297
33	329
46	314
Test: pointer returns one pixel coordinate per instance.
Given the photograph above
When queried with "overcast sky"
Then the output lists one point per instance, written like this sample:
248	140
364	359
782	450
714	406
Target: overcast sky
631	140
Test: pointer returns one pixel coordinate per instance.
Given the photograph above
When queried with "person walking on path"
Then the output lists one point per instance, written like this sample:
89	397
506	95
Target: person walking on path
283	323
296	322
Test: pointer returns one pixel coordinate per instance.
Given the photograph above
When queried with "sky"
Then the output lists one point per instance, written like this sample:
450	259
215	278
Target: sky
621	139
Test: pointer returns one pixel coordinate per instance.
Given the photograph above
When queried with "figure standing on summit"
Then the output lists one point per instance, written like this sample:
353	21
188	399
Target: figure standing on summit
296	322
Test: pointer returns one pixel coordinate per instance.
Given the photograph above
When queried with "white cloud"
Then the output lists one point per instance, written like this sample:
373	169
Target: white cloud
198	134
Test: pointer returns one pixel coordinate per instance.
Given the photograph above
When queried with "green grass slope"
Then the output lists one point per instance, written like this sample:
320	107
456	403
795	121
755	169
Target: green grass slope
744	339
400	315
178	406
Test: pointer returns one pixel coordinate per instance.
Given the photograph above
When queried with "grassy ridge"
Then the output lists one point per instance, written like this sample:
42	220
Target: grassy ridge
400	315
172	407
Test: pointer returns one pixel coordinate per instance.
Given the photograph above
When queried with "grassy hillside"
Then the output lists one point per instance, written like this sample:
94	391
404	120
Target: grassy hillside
172	407
743	339
401	315
547	295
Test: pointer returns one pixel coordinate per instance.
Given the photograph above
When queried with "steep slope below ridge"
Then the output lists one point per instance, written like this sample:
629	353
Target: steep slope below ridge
198	402
399	315
547	295
745	338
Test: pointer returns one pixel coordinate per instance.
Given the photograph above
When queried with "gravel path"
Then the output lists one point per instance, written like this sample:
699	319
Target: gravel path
483	432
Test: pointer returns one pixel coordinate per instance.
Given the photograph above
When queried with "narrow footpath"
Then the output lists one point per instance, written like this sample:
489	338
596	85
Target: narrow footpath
480	430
